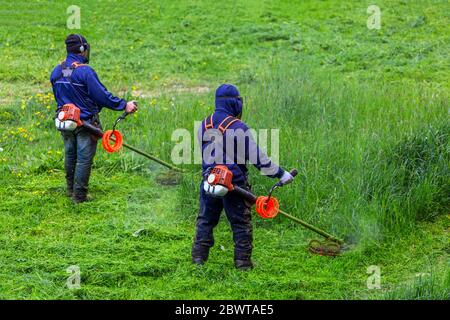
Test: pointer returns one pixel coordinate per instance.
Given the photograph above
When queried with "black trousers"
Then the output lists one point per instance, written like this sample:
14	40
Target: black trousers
239	216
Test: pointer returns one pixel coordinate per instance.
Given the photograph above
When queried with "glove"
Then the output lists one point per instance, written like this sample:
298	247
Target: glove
286	178
215	191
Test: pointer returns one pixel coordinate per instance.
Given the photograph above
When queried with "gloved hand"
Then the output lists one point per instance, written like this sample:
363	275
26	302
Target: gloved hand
131	107
286	178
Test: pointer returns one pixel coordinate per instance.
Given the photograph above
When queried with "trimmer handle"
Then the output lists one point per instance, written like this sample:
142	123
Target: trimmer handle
250	197
293	173
123	116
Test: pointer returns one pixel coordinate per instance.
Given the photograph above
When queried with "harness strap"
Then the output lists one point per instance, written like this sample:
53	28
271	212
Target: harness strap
66	72
209	123
77	64
223	126
228	121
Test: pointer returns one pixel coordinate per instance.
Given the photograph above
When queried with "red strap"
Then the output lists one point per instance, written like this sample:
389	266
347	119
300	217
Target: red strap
228	121
209	123
77	64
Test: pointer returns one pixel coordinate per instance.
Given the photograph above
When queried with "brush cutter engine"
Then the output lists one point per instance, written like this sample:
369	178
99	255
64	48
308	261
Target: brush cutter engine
68	118
218	181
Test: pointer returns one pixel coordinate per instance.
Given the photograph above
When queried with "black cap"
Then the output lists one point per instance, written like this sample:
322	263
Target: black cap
75	42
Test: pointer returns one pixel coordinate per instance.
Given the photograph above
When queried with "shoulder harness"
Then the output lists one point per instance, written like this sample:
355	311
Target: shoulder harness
223	126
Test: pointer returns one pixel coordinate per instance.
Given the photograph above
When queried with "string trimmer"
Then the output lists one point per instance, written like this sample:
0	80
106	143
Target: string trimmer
116	137
268	207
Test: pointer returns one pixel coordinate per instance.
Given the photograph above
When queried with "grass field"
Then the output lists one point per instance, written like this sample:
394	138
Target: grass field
363	114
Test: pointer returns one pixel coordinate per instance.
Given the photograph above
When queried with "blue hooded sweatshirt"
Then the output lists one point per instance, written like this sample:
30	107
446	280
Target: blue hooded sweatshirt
86	91
228	103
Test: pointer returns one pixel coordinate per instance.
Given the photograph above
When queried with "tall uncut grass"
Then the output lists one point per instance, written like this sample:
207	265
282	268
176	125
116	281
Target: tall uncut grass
373	158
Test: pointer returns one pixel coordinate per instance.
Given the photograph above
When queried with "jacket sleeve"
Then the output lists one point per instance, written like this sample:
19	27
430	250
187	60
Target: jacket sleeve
100	95
256	156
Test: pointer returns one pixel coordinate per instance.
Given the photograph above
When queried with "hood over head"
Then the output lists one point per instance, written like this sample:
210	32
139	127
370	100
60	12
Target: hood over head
228	100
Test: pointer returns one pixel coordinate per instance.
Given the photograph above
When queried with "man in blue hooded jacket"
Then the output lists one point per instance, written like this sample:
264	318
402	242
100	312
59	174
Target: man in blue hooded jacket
226	118
74	82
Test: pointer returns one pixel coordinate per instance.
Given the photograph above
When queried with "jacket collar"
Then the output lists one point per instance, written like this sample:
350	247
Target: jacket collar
73	57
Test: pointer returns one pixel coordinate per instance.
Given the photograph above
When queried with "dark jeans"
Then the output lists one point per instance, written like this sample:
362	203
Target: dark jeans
239	216
80	147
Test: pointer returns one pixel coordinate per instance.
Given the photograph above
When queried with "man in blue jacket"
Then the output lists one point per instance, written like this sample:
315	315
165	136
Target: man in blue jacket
226	117
74	82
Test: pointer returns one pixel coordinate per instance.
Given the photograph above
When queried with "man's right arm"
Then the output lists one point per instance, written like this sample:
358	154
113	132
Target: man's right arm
263	162
102	97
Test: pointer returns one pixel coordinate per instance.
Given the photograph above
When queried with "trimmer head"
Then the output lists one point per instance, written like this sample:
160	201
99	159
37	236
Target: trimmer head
325	248
169	178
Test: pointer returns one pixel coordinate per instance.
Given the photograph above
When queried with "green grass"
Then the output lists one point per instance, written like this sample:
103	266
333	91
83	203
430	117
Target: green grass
362	114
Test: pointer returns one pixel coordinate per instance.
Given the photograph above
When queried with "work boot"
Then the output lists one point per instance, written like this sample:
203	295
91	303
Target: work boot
199	255
243	264
198	261
69	190
80	199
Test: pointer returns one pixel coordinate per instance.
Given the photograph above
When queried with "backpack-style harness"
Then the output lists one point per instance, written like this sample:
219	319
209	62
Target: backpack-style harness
68	116
66	71
223	126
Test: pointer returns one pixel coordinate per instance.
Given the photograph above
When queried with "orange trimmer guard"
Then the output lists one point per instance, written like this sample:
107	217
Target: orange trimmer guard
267	209
117	141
